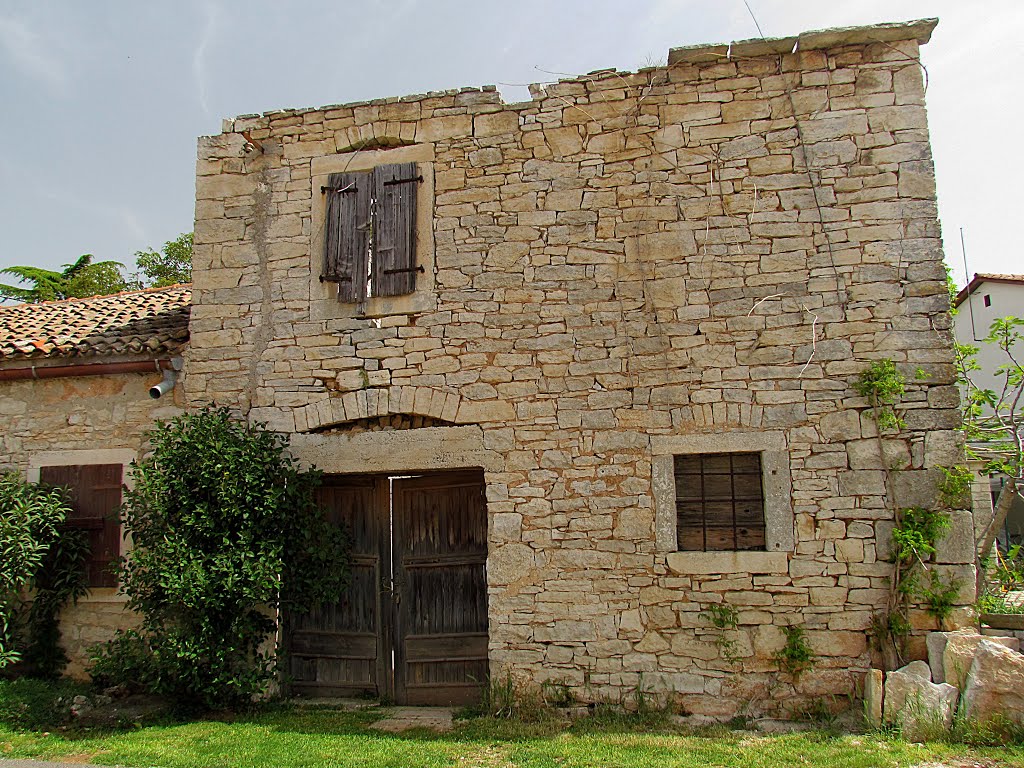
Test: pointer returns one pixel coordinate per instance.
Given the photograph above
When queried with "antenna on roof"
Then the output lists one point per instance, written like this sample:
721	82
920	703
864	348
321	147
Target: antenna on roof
967	277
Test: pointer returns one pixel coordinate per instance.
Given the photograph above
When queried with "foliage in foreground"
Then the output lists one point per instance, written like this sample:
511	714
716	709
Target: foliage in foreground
225	533
37	554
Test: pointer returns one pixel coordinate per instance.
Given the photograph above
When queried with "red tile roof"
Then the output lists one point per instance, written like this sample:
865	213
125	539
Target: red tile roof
147	322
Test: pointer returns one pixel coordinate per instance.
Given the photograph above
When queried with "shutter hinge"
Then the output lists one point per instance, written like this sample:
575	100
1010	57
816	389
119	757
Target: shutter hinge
340	190
392	182
401	271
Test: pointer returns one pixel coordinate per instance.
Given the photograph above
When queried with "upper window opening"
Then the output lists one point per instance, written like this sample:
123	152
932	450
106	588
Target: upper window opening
719	502
370	232
988	300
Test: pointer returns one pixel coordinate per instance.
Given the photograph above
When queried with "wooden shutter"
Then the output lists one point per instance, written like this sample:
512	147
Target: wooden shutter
394	248
347	233
719	502
95	491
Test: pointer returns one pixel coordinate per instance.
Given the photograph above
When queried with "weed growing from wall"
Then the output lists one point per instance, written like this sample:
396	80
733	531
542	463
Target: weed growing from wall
796	656
916	531
724	618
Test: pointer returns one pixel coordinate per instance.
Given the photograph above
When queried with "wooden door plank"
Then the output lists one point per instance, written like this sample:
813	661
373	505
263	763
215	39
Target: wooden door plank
440	550
335	649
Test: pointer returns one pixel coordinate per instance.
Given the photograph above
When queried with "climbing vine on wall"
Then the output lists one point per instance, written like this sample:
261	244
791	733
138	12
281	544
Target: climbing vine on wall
917	530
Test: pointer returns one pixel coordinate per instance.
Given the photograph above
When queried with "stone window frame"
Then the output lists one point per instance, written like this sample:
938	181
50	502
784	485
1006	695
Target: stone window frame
324	304
777	482
122	456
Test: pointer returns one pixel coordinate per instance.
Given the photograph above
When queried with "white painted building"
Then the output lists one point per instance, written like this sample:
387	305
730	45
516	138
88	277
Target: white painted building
986	298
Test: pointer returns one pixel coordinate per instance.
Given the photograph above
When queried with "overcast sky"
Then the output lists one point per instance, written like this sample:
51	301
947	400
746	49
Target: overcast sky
103	100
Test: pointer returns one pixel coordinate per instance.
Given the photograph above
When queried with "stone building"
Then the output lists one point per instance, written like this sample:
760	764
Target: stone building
638	303
75	377
580	370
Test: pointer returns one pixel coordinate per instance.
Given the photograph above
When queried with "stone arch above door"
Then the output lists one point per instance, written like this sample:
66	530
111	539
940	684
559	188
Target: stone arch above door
370	403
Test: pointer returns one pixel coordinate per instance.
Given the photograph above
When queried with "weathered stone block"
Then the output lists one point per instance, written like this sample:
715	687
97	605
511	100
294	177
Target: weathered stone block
916	704
995	683
958	655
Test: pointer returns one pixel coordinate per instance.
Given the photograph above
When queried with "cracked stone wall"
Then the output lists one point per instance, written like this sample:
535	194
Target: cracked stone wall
712	246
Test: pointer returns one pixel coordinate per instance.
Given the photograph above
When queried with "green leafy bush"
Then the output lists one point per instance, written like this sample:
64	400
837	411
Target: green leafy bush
225	533
37	554
796	656
883	385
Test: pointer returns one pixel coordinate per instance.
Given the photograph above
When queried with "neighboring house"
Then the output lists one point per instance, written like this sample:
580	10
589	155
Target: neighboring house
75	377
988	297
581	369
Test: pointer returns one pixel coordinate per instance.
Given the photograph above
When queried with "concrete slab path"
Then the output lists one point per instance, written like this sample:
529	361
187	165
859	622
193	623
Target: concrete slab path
403	718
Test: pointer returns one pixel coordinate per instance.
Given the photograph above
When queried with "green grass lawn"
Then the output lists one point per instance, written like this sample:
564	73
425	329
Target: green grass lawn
283	737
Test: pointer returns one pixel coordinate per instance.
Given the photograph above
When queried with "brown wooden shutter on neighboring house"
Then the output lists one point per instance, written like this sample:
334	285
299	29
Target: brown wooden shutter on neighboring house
719	502
394	267
95	491
347	233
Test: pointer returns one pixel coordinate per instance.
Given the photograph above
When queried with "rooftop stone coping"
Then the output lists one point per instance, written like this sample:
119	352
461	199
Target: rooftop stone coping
919	30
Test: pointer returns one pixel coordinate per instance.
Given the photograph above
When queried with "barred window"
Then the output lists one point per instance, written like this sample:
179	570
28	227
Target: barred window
719	502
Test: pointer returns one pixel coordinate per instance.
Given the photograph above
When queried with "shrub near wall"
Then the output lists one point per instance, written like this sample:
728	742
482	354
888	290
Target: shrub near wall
225	532
36	554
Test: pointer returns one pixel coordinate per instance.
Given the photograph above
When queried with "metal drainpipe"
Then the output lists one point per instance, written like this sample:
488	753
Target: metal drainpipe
91	369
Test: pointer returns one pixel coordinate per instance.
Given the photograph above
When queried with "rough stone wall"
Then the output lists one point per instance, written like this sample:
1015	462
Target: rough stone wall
76	417
627	256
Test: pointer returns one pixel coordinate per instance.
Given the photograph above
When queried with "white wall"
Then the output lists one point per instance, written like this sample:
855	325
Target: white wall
972	323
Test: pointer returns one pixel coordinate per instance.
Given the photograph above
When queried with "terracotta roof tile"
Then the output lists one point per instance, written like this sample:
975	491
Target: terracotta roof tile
147	322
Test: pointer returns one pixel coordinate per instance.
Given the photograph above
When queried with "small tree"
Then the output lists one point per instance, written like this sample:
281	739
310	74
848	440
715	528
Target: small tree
225	532
994	420
172	264
79	280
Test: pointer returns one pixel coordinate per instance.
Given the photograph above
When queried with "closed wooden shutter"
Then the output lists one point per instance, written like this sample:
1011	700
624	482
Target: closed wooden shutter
95	491
719	502
347	232
394	248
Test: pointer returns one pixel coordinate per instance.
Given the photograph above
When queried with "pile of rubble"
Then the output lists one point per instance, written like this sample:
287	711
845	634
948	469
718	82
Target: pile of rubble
981	675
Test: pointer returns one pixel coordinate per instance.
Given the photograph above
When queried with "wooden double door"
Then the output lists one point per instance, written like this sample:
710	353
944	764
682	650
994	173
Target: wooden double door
412	625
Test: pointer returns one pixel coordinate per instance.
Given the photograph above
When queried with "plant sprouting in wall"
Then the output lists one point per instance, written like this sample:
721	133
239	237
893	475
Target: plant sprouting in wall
725	619
883	386
796	656
916	530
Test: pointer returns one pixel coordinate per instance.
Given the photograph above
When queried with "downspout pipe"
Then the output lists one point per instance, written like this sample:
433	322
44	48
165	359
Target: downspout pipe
90	369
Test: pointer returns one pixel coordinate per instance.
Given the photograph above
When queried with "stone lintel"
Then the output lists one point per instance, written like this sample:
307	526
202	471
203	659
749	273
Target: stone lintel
705	563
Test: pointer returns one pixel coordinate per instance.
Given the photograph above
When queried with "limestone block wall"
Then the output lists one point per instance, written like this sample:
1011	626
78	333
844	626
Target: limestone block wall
81	420
720	245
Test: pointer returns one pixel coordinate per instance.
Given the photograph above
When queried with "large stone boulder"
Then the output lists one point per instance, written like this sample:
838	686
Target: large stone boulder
995	683
958	655
916	704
